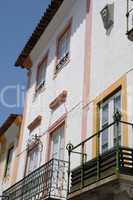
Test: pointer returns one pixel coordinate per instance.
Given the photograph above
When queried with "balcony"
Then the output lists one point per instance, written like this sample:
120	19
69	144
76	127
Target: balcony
104	173
107	167
47	182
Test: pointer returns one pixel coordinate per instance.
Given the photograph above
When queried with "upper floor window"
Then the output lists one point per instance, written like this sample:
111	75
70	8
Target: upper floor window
63	48
41	73
9	161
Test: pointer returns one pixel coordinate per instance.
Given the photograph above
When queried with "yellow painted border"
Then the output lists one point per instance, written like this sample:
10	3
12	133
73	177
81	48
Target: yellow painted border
121	83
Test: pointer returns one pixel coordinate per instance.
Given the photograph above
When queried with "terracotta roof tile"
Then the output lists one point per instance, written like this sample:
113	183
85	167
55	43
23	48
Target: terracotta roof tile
39	30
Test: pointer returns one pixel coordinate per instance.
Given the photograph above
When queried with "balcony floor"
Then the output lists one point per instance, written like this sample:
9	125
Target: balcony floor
105	189
110	180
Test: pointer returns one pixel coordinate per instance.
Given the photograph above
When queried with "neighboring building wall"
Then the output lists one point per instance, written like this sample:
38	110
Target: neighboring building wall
69	79
9	139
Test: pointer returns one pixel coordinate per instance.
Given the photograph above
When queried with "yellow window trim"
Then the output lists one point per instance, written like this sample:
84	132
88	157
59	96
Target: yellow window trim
121	83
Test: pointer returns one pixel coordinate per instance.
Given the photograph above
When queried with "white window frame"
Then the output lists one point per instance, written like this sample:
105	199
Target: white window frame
32	151
110	102
42	67
64	45
60	151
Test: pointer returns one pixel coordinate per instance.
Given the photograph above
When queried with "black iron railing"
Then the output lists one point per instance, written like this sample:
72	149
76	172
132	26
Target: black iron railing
47	182
107	167
92	168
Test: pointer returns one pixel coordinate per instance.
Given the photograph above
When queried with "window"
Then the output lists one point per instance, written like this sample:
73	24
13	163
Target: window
105	121
107	110
63	48
41	74
9	161
33	159
58	143
117	108
57	153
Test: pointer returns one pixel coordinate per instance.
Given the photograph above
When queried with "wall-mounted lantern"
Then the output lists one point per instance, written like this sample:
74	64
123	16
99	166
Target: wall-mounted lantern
129	16
107	14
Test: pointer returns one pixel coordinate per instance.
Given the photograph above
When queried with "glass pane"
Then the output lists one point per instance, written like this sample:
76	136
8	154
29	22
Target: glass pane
64	45
42	73
39	76
68	42
117	129
33	159
108	108
117	103
105	140
105	114
117	134
58	143
30	163
61	149
55	146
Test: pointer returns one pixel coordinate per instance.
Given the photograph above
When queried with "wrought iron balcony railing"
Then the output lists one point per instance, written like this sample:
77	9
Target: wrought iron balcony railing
90	168
47	182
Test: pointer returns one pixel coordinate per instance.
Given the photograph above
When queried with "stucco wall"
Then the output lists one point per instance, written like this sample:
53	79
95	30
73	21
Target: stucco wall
70	78
11	136
111	54
111	58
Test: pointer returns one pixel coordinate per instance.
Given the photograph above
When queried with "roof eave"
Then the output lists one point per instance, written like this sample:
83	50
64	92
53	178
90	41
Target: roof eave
9	121
23	59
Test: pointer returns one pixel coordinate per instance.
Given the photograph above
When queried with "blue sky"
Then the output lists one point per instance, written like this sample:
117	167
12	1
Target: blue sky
18	19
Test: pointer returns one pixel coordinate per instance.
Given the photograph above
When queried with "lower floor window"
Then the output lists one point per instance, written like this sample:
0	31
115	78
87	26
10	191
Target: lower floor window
33	159
110	136
58	143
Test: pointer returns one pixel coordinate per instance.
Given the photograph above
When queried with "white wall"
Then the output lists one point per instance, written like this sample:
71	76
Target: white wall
111	54
70	78
111	57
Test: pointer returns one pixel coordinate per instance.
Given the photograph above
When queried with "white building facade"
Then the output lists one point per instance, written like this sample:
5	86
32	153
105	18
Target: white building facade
79	61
